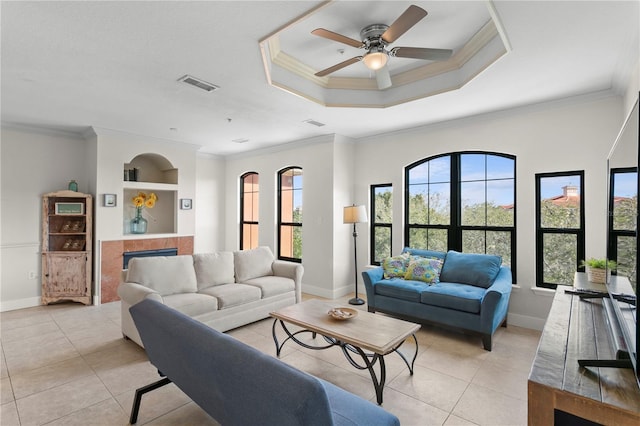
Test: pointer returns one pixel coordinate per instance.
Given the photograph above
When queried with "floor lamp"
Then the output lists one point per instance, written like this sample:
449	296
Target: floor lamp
355	214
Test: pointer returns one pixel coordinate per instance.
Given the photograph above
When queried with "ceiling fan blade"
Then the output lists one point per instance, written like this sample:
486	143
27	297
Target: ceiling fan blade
408	19
421	53
339	66
383	77
321	32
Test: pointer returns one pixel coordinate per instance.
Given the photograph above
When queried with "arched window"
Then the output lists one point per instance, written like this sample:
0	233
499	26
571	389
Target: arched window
463	201
249	210
290	214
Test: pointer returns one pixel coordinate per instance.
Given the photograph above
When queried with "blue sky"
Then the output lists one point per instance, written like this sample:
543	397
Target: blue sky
626	185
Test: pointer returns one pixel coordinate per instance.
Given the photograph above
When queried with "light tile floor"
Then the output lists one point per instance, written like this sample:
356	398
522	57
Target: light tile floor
67	364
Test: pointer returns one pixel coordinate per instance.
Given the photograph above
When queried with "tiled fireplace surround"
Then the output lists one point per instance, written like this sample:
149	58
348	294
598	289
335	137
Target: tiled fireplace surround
111	259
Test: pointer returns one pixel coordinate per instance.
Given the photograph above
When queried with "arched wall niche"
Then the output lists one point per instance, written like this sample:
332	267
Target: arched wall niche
150	167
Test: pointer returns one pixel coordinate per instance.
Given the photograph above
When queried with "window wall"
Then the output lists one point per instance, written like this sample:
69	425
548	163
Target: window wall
623	203
560	229
462	201
290	214
381	220
249	210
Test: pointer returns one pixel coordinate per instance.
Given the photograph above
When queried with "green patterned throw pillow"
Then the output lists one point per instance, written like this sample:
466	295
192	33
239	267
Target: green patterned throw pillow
426	269
396	266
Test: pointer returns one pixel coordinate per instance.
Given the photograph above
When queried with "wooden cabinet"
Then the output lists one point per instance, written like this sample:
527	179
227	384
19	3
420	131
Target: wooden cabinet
66	247
560	391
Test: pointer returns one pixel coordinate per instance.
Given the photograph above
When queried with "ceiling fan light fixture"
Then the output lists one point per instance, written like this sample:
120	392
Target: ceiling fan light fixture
375	60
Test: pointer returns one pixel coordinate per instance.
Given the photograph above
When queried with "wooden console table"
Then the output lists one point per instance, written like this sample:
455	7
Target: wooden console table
577	329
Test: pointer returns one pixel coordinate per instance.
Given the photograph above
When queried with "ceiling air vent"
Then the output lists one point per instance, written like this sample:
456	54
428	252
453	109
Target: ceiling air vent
200	84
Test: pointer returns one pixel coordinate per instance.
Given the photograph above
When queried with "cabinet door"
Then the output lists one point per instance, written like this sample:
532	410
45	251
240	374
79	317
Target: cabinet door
64	274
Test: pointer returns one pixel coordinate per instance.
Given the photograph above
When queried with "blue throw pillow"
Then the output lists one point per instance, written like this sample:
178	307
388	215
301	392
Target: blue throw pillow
479	270
425	253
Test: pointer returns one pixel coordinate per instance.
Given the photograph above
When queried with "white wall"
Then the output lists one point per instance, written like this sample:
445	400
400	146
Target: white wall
209	204
321	217
344	195
114	149
33	162
573	134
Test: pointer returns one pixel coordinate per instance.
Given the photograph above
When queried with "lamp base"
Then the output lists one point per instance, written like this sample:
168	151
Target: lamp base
356	301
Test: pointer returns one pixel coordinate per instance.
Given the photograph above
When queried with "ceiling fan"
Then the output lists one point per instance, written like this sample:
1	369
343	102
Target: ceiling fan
376	38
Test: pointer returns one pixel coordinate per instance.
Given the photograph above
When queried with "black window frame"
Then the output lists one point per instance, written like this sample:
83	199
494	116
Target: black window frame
242	201
540	232
281	223
612	233
455	229
375	224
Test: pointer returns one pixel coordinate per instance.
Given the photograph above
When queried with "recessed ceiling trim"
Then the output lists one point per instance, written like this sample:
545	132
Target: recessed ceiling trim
480	39
287	72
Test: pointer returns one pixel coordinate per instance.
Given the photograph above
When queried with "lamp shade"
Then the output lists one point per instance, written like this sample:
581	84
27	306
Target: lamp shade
355	214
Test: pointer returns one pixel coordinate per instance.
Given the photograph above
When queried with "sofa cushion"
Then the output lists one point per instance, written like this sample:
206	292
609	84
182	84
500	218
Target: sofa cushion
470	268
164	274
214	268
399	288
272	285
229	295
461	297
396	266
192	304
253	263
423	269
425	253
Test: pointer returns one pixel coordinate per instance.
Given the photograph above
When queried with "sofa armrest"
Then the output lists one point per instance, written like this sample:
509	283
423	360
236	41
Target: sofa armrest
133	293
292	270
496	301
370	278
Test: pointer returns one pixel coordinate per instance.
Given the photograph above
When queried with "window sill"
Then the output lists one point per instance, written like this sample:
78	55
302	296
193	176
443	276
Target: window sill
541	291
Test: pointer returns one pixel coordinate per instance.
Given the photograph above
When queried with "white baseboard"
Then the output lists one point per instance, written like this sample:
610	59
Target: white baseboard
12	305
329	294
526	321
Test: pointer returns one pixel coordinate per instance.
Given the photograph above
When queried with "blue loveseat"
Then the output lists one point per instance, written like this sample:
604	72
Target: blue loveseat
237	384
470	292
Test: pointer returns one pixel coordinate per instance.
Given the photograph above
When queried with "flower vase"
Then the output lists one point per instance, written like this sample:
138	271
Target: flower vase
138	223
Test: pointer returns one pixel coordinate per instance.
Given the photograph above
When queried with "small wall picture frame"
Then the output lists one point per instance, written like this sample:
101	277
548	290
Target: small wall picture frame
109	200
185	204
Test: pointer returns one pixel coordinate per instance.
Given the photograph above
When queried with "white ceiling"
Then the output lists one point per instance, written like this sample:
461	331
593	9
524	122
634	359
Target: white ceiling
115	65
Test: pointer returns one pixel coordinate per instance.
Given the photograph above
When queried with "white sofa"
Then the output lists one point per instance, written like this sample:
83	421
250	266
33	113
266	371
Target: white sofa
223	290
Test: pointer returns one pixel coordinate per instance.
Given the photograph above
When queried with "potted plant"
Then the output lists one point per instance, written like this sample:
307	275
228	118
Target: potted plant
598	269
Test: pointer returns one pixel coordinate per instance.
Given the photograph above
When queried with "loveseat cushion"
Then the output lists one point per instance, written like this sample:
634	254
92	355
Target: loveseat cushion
460	297
192	304
272	285
399	288
164	274
213	268
253	263
470	268
229	295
